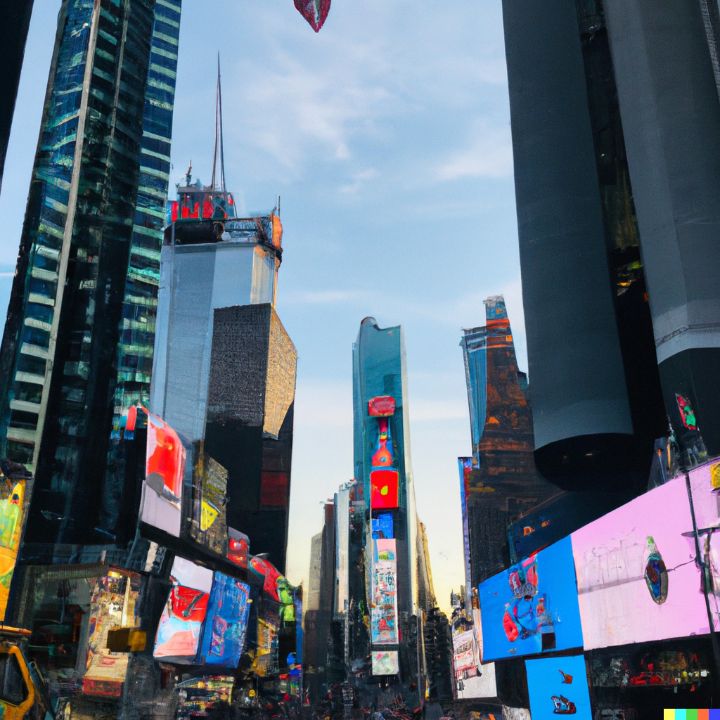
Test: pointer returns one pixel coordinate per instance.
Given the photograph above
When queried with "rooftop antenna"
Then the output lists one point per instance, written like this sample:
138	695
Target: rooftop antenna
188	174
217	181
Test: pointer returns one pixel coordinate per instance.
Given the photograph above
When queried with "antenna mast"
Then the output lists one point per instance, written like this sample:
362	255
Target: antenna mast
218	174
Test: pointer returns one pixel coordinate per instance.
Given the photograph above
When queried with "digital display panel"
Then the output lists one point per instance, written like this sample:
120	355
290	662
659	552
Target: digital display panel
558	686
385	662
383	616
225	628
209	524
636	573
178	633
532	607
384	490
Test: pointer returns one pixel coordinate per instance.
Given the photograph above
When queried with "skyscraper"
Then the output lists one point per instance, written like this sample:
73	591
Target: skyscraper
13	33
616	128
81	313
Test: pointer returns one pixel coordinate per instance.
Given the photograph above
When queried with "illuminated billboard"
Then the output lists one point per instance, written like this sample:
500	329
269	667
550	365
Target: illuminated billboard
209	525
384	609
558	686
166	458
112	605
532	607
384	493
636	573
15	489
223	637
385	662
178	633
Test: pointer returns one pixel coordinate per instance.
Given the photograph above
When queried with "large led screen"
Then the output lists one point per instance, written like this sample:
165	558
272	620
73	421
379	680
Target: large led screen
385	662
383	616
558	686
223	637
209	523
178	633
636	572
14	500
166	457
384	489
532	607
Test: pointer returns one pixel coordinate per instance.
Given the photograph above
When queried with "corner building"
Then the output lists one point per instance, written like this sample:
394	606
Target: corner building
81	319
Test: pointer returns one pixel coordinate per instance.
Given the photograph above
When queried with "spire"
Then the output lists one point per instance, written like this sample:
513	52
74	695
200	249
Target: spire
218	173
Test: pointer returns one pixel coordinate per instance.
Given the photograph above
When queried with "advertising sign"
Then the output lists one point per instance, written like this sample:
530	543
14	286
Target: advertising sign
223	637
382	526
166	457
15	488
384	489
178	633
383	616
636	572
342	550
381	406
464	652
385	662
209	525
203	696
238	548
112	604
532	607
558	686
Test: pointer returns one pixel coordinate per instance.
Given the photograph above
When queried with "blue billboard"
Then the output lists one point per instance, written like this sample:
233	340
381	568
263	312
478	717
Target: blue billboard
532	607
223	637
558	686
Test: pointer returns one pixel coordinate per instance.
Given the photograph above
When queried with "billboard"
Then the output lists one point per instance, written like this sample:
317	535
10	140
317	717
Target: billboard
384	611
342	550
532	607
383	526
223	637
209	525
166	457
178	633
636	573
464	656
15	489
384	492
385	662
112	605
238	548
558	686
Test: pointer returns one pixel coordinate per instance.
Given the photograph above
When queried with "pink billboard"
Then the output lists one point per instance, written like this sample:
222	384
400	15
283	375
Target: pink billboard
636	573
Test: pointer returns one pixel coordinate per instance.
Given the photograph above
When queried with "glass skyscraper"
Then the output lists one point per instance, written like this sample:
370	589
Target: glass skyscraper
80	327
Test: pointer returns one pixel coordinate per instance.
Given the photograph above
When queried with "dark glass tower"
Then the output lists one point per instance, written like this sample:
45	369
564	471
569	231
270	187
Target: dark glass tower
616	193
80	325
13	33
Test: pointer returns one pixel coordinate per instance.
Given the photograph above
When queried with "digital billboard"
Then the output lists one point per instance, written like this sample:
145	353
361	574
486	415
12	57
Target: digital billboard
558	686
384	489
112	605
209	525
532	607
636	573
179	629
383	616
385	662
166	457
383	526
223	637
15	489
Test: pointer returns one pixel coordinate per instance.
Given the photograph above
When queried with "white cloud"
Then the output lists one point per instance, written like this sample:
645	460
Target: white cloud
488	154
358	181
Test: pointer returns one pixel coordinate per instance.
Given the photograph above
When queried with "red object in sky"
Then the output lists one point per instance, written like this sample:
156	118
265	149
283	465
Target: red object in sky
384	491
381	406
165	459
314	11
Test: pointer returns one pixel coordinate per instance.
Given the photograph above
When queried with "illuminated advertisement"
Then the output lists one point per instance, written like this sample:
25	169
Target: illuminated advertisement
166	457
383	489
178	633
636	574
266	654
203	696
532	607
238	548
465	468
383	617
464	656
14	499
209	525
381	406
382	526
385	662
558	686
269	574
112	605
342	550
223	637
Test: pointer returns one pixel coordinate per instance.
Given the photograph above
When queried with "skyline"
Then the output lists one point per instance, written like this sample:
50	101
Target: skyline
337	123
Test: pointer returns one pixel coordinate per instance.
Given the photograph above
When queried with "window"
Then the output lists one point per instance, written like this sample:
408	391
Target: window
12	685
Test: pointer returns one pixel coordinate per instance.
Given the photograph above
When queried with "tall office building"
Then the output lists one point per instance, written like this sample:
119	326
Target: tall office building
13	34
81	313
616	132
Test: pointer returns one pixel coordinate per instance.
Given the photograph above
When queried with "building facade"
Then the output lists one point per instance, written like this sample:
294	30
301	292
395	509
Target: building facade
108	104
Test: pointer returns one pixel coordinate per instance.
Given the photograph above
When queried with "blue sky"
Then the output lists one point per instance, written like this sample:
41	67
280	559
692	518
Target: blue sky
387	137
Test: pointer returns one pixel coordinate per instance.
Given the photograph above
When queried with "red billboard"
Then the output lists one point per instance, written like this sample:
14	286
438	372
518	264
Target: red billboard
384	489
